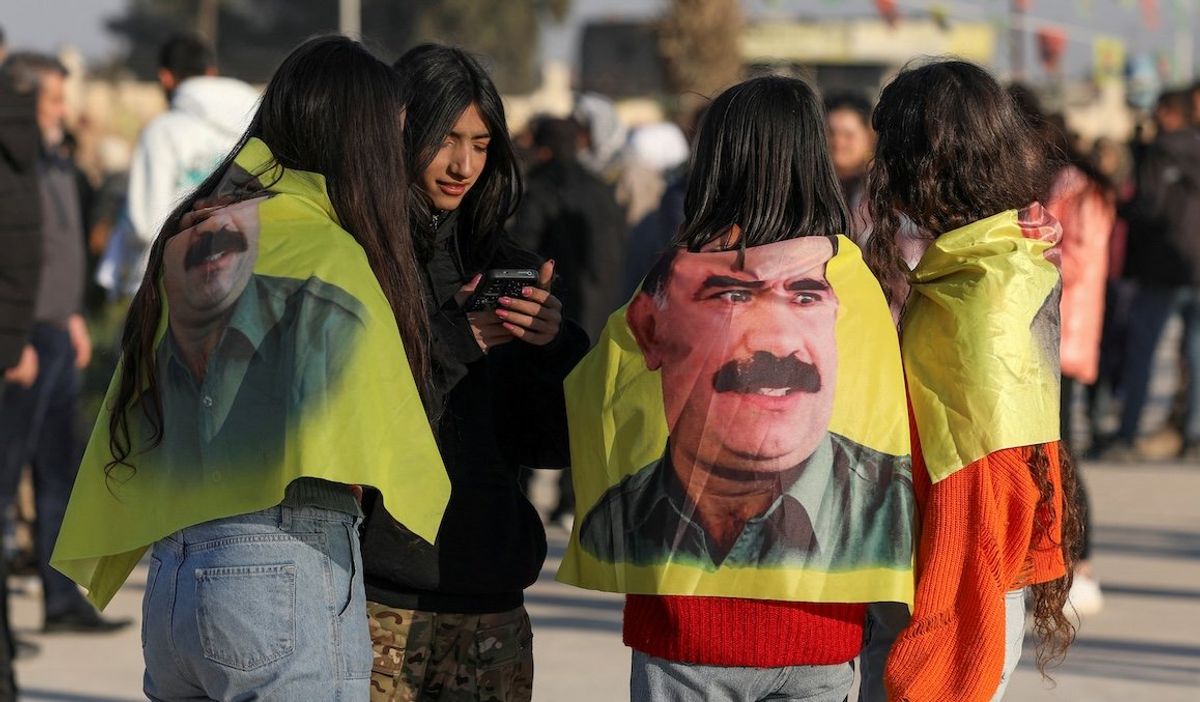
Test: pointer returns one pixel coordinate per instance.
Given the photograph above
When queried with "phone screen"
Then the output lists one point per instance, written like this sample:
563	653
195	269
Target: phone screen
498	283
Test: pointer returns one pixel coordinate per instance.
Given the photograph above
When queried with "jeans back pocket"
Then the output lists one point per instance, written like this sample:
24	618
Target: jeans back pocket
246	615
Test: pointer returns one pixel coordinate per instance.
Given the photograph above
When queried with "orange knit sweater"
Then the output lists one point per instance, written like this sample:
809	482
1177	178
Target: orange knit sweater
977	542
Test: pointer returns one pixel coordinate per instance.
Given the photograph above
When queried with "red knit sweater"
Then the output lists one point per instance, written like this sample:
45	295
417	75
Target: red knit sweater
746	633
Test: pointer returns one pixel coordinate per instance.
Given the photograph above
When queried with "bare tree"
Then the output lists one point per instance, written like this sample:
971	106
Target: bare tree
699	43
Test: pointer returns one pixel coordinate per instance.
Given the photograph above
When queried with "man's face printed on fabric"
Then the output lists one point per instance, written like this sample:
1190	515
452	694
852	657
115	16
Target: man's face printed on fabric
207	267
748	354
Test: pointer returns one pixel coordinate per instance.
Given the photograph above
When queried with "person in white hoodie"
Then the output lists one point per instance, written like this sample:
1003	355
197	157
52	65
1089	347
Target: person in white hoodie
179	149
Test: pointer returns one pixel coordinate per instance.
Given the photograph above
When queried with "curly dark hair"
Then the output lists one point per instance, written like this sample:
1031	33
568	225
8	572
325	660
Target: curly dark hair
952	149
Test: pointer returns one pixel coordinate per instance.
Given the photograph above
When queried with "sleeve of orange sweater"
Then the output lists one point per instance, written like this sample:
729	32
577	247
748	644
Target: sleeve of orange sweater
976	527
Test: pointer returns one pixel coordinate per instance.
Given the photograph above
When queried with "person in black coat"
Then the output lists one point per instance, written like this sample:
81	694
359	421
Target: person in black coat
1163	257
20	230
20	266
571	216
448	618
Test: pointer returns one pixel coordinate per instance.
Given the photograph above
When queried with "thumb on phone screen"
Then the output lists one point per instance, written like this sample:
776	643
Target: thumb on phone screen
464	293
546	275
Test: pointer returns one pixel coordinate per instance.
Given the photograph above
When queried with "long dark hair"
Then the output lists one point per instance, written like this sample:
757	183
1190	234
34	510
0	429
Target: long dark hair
439	83
953	149
331	108
761	161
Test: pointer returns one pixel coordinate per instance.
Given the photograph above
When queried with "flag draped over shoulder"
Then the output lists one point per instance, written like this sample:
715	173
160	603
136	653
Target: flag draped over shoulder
741	430
980	339
277	357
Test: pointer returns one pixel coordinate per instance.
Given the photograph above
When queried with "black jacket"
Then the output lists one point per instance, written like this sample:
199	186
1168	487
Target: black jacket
570	215
20	220
1164	215
500	411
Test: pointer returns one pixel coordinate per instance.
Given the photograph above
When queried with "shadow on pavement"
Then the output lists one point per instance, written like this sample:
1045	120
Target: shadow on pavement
1143	661
1144	591
33	694
1139	541
575	623
542	599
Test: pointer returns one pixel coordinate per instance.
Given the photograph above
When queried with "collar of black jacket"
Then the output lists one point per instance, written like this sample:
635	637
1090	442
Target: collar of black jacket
445	267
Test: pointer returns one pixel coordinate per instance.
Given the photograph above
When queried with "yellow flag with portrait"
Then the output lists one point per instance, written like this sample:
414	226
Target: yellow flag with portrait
981	339
277	357
741	430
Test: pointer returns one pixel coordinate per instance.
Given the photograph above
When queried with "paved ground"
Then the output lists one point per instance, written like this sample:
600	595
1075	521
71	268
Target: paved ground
1145	645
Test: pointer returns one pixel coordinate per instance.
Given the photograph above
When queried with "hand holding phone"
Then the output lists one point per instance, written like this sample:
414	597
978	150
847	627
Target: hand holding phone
498	283
534	316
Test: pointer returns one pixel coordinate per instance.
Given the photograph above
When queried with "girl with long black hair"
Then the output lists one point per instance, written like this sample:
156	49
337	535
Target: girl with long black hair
252	393
761	175
448	620
980	348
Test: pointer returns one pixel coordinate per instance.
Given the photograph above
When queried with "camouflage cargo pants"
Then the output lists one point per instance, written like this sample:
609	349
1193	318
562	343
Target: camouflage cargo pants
431	657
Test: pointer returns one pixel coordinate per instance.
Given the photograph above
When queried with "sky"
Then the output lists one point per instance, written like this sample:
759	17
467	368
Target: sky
45	24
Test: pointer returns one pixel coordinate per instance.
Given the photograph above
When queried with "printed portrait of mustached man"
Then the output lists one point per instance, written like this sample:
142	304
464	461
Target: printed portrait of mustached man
245	355
751	476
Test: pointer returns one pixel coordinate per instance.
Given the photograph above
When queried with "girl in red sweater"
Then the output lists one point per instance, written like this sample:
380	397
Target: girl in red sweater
761	173
979	342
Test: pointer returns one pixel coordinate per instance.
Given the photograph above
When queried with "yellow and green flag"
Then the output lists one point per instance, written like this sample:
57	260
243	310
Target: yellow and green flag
980	339
741	430
277	357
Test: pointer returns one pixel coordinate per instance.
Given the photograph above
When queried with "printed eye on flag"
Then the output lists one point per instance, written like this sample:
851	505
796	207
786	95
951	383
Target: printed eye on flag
741	430
308	379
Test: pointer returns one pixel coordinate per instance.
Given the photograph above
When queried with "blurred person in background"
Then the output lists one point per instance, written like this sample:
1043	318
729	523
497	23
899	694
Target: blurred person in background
38	424
851	145
20	228
1115	162
569	215
1083	200
650	236
448	620
179	149
1163	257
651	154
602	135
20	268
604	149
111	231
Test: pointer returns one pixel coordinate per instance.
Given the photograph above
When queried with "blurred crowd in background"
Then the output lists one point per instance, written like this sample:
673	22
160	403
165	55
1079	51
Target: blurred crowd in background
604	189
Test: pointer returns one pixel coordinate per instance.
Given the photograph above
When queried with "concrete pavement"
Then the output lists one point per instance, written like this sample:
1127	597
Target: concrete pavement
1145	645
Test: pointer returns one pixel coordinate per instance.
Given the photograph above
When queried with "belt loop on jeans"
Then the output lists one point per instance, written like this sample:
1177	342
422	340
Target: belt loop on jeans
285	518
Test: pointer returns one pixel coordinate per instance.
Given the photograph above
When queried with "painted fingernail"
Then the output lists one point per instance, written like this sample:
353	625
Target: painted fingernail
505	301
526	291
502	313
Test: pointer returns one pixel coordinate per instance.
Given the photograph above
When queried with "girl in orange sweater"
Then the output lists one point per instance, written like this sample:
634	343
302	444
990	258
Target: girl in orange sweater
979	340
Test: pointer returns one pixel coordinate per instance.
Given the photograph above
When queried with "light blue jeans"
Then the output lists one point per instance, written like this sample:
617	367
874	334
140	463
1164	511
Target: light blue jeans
261	606
1014	637
658	680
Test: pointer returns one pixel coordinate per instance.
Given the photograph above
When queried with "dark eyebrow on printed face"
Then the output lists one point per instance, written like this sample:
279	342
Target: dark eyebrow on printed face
802	284
725	281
